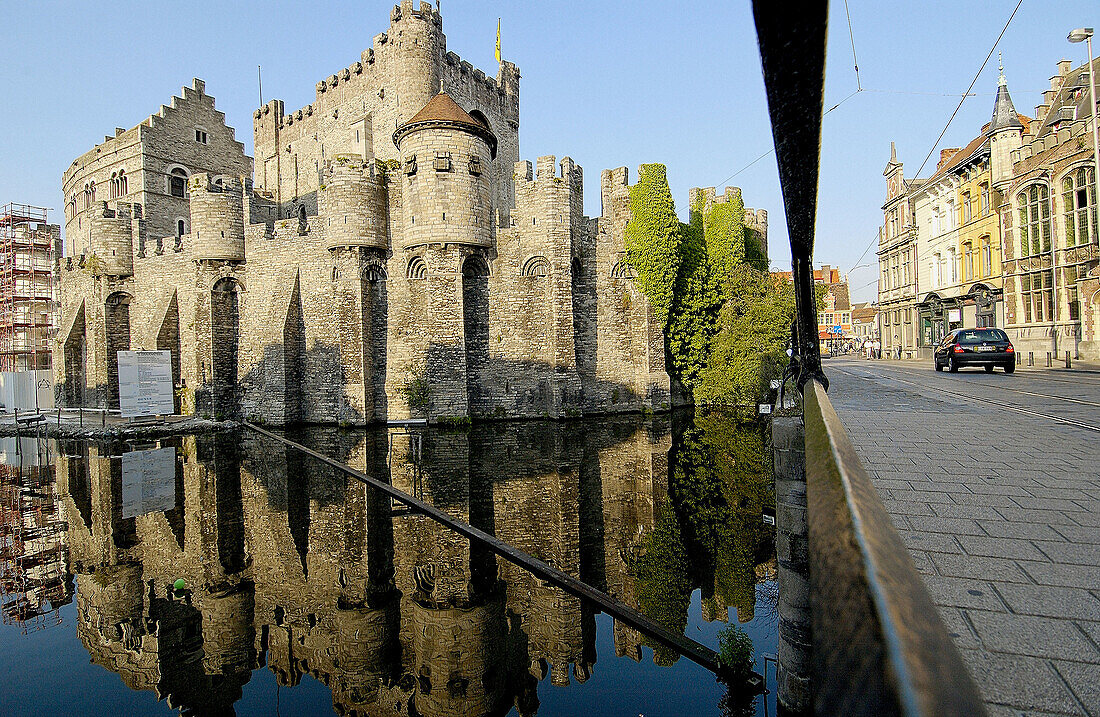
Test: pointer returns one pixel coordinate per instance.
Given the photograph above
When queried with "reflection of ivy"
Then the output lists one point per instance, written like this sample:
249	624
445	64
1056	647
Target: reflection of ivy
709	533
661	580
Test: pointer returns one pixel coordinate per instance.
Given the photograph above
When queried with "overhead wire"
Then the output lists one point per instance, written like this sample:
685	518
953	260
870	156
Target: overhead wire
972	83
859	88
852	37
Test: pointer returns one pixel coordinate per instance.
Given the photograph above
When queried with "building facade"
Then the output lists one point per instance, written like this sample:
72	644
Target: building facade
390	259
897	253
1005	231
864	323
1049	226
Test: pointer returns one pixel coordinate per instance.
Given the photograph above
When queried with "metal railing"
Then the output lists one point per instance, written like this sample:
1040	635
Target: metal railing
879	646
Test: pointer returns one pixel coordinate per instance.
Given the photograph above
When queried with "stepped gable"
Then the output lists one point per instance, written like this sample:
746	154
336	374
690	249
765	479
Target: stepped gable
441	110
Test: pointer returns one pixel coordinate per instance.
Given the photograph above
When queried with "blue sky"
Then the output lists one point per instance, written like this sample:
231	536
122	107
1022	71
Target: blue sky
608	84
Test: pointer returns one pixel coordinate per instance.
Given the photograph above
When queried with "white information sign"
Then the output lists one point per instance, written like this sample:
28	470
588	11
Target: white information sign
148	481
145	383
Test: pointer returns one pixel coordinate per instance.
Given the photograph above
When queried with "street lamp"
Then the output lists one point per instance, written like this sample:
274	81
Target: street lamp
1085	33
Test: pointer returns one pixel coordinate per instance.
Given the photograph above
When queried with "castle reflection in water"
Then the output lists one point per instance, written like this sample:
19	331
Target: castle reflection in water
292	566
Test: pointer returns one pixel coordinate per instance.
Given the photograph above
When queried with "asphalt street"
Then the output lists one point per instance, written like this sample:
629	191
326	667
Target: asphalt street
993	482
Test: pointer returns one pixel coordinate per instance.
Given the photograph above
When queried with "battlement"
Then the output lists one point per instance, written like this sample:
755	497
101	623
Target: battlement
202	182
122	211
407	11
612	178
548	168
706	197
756	219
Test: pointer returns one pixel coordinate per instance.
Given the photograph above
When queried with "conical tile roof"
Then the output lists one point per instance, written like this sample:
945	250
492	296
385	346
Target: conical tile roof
442	110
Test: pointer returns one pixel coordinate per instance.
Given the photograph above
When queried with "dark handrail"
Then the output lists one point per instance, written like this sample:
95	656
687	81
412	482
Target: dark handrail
880	646
792	52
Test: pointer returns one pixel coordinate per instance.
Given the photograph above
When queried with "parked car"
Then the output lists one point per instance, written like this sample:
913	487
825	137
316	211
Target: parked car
975	347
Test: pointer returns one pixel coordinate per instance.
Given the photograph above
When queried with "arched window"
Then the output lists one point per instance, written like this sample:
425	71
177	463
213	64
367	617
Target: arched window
181	227
417	268
91	193
123	185
1079	205
177	182
953	257
537	266
986	267
374	273
112	188
475	266
935	270
968	261
622	270
1034	207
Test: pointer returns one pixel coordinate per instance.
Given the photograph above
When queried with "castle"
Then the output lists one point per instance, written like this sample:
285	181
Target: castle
386	256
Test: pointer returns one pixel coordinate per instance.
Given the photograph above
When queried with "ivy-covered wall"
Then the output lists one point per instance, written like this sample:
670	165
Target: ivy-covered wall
726	319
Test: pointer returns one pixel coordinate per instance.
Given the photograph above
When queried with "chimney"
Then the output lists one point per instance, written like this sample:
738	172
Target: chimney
946	155
1064	66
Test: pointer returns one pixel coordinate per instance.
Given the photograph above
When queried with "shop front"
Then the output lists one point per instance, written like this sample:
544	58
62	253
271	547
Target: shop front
979	307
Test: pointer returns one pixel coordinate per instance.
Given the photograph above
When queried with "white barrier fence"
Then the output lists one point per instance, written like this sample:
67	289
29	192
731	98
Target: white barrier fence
26	391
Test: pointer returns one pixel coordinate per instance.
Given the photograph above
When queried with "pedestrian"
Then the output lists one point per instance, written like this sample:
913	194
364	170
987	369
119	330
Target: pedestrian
876	349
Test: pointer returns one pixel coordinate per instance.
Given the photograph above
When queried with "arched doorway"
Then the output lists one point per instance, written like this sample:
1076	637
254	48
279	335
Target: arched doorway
475	317
225	326
375	301
76	347
116	318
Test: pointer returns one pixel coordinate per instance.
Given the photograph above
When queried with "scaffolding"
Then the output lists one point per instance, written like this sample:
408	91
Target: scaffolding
26	287
34	581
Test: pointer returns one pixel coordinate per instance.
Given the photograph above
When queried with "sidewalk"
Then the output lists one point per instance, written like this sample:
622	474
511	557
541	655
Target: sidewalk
1001	514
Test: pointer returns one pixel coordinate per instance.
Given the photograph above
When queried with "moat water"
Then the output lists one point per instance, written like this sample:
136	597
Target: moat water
305	591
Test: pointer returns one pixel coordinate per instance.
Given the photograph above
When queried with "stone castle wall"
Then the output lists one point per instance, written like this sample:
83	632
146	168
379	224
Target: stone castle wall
429	280
357	109
147	154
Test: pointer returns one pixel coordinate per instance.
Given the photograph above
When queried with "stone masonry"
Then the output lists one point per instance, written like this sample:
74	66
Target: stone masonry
390	259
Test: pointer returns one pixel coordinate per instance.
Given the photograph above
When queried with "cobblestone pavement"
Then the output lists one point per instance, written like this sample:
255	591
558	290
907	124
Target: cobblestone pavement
999	504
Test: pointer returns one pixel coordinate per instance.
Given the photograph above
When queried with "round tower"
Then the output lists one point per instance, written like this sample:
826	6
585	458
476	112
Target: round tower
112	240
353	204
446	157
217	218
416	41
228	634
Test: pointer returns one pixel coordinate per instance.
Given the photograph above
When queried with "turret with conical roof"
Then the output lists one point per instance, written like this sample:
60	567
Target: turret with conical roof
446	156
1005	133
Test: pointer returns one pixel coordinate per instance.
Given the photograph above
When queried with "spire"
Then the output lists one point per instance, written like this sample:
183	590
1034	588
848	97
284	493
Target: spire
1004	113
893	153
1001	81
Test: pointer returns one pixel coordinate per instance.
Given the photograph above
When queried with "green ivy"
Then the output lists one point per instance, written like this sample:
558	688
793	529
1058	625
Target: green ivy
724	225
653	237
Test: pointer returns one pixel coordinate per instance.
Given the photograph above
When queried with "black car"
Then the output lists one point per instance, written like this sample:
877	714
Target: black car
975	347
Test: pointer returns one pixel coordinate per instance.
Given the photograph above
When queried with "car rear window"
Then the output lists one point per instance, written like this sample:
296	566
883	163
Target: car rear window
976	336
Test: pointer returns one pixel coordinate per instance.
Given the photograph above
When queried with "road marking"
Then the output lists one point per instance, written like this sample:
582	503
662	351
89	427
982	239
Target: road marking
1019	390
982	399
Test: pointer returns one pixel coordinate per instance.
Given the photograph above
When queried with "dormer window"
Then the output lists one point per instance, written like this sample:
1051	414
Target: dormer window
200	135
442	162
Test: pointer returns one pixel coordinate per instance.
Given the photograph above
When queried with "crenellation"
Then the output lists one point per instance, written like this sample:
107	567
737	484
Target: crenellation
545	167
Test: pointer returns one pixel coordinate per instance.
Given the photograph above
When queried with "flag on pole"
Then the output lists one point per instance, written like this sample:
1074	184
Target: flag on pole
498	40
